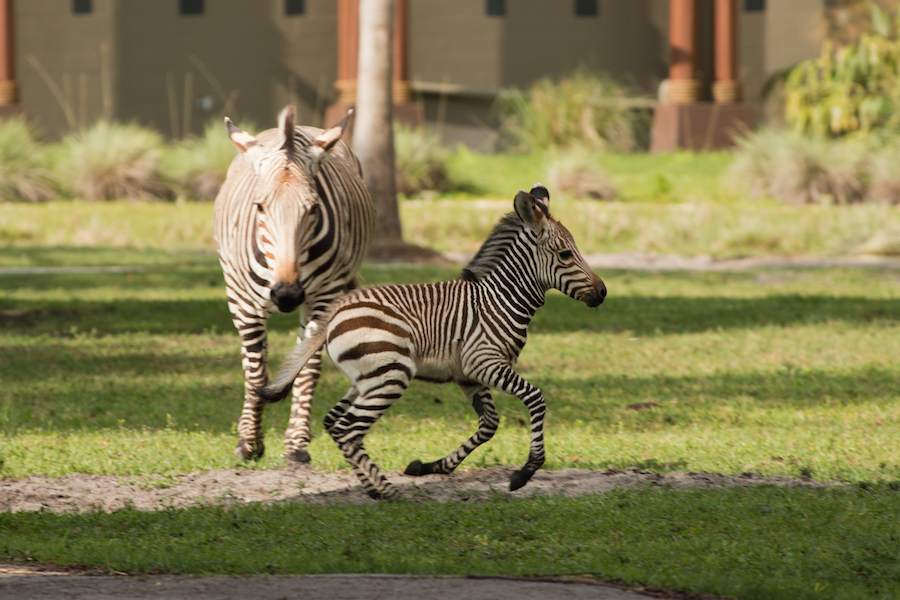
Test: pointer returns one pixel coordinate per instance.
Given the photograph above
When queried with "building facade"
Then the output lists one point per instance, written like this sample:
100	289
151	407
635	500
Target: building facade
176	64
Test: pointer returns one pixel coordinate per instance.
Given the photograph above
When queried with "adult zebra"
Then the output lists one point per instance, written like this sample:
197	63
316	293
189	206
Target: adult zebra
469	330
293	222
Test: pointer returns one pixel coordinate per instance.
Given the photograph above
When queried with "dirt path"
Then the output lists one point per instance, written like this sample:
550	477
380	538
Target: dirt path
303	484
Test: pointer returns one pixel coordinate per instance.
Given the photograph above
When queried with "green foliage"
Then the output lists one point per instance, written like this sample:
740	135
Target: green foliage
763	543
110	161
198	164
24	171
849	88
585	108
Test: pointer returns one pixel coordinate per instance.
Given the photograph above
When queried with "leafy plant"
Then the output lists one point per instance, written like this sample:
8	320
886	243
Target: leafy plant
111	161
198	164
24	172
851	87
584	108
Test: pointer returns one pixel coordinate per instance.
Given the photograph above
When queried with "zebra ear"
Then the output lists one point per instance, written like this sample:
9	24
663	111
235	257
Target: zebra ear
530	211
541	194
323	143
246	144
286	128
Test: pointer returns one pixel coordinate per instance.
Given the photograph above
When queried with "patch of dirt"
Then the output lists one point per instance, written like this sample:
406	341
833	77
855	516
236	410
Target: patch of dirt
303	484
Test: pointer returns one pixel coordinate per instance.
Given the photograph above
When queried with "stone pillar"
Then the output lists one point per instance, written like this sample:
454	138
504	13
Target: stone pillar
401	89
9	92
683	87
726	86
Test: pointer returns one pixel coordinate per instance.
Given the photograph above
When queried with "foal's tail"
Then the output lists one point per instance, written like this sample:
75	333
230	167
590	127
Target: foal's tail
293	363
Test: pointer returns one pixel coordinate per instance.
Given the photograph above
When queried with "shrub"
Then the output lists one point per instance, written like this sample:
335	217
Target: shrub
24	171
790	166
584	109
198	165
577	174
111	161
421	161
854	87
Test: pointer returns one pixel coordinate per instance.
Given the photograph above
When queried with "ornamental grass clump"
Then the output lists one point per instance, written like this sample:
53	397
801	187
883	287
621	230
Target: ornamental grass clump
421	161
800	169
198	165
578	174
111	161
583	109
24	171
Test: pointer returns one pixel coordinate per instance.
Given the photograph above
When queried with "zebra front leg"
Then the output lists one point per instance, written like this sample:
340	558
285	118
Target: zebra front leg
298	435
502	377
479	397
250	444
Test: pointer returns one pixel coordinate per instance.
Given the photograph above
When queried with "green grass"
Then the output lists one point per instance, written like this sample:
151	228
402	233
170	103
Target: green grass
788	373
762	543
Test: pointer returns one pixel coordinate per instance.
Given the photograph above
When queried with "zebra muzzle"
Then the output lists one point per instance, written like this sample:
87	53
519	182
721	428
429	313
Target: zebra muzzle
287	297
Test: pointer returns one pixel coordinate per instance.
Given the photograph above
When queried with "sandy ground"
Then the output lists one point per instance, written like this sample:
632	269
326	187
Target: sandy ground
303	484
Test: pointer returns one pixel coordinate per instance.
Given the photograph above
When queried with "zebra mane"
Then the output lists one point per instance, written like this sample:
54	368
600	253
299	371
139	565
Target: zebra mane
494	248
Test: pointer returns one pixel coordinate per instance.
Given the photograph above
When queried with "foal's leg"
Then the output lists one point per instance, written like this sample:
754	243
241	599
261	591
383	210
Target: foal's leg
340	408
349	429
499	375
480	398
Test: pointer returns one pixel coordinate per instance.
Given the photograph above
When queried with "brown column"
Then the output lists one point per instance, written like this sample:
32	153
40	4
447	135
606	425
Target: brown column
401	89
8	88
348	50
684	87
726	87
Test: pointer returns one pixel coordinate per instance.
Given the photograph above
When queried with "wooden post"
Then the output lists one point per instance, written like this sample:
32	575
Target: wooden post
348	51
684	87
9	93
726	87
400	86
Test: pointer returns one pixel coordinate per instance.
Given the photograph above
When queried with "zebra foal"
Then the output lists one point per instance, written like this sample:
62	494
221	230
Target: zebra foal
469	331
293	221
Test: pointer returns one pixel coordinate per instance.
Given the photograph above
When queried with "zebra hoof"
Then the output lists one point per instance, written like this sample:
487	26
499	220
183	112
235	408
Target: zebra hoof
417	469
519	479
247	451
297	456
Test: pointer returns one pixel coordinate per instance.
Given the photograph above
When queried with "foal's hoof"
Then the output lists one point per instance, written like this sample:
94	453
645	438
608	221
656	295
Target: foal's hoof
519	479
247	451
416	469
297	456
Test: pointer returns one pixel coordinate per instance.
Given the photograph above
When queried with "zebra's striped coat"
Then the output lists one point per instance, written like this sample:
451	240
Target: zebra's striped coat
293	222
469	331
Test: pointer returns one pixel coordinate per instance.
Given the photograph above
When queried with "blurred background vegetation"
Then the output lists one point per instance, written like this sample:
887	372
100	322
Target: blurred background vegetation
827	181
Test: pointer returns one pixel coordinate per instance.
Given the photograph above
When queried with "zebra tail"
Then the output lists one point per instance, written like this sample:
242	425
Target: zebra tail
290	368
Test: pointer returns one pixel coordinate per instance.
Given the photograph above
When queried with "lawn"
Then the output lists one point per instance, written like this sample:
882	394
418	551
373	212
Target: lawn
783	372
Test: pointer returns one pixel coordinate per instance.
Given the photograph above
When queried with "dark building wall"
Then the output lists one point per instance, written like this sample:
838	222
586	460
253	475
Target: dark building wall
73	53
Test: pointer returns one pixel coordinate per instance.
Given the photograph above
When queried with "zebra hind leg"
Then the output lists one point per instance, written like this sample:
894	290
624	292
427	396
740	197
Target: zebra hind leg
340	409
349	430
488	420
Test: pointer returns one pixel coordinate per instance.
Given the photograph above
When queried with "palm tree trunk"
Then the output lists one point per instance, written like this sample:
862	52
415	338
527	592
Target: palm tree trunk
373	137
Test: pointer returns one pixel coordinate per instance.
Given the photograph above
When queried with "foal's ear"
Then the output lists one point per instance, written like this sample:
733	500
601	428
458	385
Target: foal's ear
246	144
530	211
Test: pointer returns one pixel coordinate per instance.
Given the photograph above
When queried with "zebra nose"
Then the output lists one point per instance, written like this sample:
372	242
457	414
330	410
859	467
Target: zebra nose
287	297
597	295
601	291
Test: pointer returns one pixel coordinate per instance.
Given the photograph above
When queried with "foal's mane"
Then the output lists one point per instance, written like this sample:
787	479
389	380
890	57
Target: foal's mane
494	248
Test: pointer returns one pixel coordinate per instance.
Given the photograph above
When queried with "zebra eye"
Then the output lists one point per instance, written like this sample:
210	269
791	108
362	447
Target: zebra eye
259	208
565	254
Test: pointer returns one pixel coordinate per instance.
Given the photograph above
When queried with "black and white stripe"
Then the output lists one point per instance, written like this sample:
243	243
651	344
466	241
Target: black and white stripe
469	331
293	221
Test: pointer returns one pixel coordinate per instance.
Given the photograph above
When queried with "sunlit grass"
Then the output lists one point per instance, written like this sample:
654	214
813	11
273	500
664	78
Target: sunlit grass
791	372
